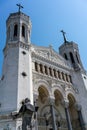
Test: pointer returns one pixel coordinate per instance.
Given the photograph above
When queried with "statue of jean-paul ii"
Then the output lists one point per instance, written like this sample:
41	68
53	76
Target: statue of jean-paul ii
26	112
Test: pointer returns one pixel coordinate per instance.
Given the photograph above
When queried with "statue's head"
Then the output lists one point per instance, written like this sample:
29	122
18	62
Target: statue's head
27	100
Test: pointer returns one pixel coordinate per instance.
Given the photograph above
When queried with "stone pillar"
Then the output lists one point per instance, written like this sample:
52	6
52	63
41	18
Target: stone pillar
53	114
56	74
78	107
52	72
66	105
64	77
38	67
43	69
68	78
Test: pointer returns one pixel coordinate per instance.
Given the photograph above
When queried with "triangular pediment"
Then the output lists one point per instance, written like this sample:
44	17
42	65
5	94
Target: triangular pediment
50	54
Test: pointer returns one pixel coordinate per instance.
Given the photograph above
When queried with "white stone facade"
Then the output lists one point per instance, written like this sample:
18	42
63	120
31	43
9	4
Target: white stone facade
43	76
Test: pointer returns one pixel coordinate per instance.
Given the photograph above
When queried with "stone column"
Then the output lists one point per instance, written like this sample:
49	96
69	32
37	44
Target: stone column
52	72
43	69
53	114
56	74
64	77
78	107
68	78
38	67
66	105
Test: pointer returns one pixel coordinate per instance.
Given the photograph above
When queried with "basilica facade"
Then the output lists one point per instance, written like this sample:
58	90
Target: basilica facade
56	82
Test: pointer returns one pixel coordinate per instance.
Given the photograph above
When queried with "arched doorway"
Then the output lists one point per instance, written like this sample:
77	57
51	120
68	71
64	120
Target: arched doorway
73	113
60	120
43	94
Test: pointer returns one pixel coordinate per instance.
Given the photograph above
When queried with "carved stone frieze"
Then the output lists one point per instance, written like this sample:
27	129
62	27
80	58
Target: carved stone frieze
46	55
13	45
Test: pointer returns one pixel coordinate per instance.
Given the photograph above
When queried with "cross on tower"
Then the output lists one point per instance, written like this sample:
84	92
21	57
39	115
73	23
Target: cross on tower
64	35
19	7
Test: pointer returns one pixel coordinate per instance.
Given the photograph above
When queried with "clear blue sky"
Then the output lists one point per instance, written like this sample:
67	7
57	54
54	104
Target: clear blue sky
48	18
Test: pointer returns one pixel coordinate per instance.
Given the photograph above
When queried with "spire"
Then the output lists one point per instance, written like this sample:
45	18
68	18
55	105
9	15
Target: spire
64	36
19	7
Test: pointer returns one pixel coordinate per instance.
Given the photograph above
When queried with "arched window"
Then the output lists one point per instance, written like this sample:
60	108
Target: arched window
23	31
65	56
63	76
50	71
36	66
70	78
54	73
72	58
59	74
41	68
46	72
15	30
77	57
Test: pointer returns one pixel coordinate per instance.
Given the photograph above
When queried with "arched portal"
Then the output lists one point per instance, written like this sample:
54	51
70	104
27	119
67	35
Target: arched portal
58	97
43	94
73	113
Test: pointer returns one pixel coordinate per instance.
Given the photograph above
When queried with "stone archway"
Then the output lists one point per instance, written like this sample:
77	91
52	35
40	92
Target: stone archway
61	121
43	94
73	113
58	97
47	117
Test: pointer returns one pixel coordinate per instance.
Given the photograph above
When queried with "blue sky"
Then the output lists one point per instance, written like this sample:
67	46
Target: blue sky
48	18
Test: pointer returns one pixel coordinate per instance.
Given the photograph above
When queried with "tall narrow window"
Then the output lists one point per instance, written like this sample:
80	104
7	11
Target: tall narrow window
15	30
46	72
50	71
41	68
59	74
70	78
77	57
54	73
63	76
65	56
72	58
23	31
36	66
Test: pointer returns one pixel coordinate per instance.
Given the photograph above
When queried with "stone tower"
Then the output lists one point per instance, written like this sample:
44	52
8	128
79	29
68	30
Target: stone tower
16	82
56	82
70	52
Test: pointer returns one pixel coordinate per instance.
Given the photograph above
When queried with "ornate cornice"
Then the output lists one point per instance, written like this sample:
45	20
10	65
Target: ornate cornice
51	80
50	62
15	45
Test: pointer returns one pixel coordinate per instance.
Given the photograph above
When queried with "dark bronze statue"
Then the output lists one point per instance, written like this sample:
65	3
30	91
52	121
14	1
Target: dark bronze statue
26	112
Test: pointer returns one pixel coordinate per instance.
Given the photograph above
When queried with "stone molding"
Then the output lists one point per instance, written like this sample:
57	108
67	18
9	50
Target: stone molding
14	45
78	107
51	62
65	103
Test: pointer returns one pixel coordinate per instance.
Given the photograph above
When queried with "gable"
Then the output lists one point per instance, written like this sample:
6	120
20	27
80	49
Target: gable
50	54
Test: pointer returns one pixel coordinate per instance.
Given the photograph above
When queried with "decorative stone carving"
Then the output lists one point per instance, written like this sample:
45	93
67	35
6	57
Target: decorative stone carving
53	56
65	103
78	107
